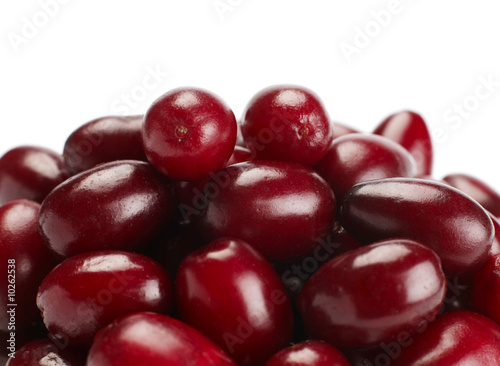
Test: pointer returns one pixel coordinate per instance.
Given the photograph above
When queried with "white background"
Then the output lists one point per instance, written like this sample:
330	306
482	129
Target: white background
67	62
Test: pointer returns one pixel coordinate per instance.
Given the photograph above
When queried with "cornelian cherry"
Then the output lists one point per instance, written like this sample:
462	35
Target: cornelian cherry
189	133
287	123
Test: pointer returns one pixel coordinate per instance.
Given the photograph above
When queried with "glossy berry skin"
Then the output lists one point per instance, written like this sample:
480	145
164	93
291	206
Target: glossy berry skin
149	339
409	130
119	205
231	293
372	294
486	290
103	140
477	189
281	209
356	158
88	291
24	259
456	338
45	352
30	172
309	353
189	133
287	123
456	227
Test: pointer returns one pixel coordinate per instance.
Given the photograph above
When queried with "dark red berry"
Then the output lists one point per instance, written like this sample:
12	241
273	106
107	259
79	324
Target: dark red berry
119	205
230	293
147	339
189	133
455	226
88	291
104	140
410	130
287	123
30	172
372	294
281	209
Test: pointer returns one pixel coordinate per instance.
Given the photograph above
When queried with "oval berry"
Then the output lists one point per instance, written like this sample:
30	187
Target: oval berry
409	130
456	338
104	140
356	158
251	324
287	123
25	260
189	133
309	353
90	290
154	339
119	205
372	294
30	172
281	209
477	189
455	226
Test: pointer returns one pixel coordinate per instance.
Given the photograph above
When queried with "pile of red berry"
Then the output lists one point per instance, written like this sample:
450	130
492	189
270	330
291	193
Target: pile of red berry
182	237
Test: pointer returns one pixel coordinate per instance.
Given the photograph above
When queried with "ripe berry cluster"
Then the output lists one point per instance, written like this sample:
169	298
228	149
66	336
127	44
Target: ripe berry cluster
184	237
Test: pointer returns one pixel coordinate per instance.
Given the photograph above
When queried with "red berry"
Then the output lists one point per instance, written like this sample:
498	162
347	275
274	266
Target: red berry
309	353
372	294
480	191
281	209
229	292
104	140
88	291
287	123
119	205
410	131
456	227
189	133
30	172
456	338
147	339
